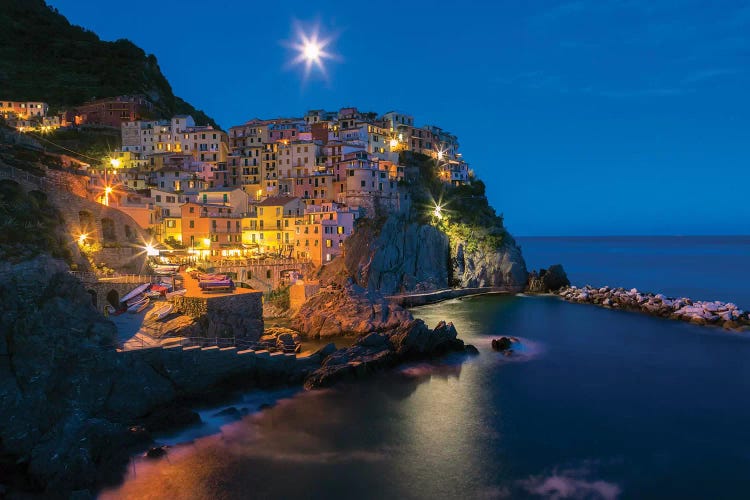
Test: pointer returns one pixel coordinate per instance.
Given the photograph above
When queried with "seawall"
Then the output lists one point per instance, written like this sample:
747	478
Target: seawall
421	299
237	315
195	370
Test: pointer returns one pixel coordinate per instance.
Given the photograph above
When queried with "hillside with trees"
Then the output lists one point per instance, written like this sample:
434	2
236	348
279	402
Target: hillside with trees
43	57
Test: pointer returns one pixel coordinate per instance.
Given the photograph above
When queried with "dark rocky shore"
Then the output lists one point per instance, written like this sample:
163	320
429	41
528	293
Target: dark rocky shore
73	409
724	314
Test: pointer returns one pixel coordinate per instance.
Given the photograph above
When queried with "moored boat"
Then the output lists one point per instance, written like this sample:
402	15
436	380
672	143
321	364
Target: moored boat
135	292
139	306
166	268
162	311
176	293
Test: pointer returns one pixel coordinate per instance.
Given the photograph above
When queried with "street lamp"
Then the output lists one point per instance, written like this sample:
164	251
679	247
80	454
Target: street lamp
438	212
207	244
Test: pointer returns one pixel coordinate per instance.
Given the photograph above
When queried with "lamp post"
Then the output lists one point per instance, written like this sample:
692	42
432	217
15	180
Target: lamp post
115	164
207	244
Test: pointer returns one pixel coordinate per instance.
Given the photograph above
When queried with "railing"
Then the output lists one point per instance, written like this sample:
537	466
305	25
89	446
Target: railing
89	277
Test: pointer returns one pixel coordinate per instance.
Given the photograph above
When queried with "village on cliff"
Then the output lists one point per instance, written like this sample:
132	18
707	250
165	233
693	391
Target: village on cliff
284	188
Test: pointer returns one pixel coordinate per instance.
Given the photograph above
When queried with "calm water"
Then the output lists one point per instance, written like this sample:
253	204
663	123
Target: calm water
602	404
700	267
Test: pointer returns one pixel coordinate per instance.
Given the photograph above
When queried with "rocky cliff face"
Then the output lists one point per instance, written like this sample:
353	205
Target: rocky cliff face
348	311
64	394
405	256
487	266
400	256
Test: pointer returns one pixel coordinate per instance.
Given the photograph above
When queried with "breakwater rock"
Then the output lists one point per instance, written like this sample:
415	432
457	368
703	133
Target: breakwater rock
379	350
725	314
547	280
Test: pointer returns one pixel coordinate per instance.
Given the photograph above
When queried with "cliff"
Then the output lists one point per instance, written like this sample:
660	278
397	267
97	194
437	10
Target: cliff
415	251
43	57
65	396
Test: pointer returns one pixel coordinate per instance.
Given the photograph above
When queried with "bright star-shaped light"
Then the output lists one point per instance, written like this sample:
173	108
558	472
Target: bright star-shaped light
438	212
311	50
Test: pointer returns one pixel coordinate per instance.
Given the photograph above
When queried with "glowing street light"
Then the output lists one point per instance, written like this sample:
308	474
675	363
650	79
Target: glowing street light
150	250
114	162
82	239
107	192
438	212
206	242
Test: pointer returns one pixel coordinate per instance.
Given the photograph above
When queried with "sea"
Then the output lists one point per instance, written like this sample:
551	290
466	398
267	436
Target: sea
597	403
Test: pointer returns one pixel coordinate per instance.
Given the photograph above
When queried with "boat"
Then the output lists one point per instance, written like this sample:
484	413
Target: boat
216	285
139	306
135	292
166	268
162	311
156	291
135	300
176	293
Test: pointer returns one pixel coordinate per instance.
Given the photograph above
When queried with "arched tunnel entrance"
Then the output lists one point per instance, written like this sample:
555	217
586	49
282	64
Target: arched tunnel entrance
113	298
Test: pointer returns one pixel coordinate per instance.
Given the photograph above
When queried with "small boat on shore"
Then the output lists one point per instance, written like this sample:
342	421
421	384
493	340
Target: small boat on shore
139	306
135	292
162	311
157	291
166	269
176	293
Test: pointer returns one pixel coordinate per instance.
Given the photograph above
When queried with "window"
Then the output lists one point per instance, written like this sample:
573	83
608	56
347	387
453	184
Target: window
329	243
363	183
192	224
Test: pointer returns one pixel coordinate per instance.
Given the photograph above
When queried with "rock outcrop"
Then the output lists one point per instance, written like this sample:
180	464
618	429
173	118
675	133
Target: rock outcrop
406	256
725	314
403	256
350	310
482	266
547	280
65	396
378	350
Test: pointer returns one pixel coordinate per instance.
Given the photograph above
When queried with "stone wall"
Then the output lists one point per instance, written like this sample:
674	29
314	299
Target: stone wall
102	291
122	248
193	370
239	315
265	275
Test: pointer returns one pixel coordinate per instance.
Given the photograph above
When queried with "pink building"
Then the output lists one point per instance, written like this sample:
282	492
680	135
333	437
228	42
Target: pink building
323	232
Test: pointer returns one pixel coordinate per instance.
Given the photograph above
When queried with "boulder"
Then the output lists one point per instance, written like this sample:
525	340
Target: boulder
502	344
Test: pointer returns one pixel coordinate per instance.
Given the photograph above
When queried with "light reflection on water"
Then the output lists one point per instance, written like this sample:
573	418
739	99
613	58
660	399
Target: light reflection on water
607	403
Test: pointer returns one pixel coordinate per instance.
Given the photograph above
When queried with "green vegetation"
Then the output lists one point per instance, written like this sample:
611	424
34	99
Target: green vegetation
172	242
29	225
90	142
279	297
466	215
43	57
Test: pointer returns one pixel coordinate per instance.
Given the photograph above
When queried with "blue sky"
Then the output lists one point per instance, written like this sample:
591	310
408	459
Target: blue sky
584	117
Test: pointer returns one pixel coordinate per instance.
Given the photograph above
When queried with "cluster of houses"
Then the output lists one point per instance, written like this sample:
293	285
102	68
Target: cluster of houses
287	187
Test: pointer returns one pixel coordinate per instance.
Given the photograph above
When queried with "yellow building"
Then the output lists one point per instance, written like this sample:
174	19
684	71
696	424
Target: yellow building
271	226
172	228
